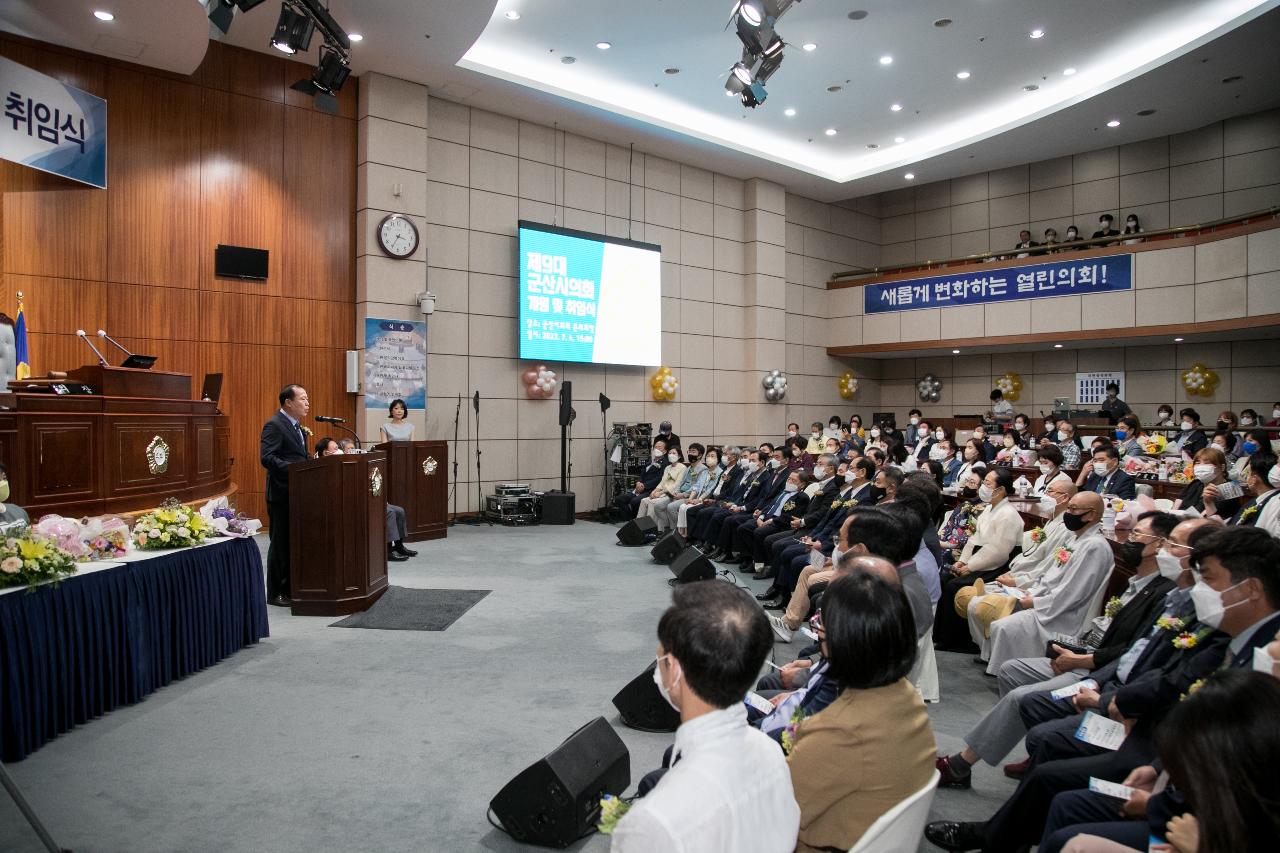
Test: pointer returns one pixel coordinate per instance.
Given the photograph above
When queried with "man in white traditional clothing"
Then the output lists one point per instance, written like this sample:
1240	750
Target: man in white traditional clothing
1059	603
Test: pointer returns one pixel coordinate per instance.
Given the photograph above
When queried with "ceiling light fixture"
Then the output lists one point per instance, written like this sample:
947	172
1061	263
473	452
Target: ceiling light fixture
1036	34
762	52
1030	87
955	352
899	139
1057	346
293	31
830	131
911	176
220	12
603	45
789	111
1067	72
355	37
897	108
568	60
873	145
104	16
962	75
886	60
672	71
1178	340
326	80
511	15
1115	122
809	47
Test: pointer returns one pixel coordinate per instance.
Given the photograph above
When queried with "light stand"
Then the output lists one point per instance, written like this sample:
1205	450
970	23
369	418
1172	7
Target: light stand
605	506
453	486
475	401
32	818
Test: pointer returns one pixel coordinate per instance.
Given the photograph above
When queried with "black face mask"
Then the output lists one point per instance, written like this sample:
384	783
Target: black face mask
1131	553
969	494
1223	424
1073	522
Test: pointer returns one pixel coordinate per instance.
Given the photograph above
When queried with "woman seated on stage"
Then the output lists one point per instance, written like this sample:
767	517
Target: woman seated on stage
397	428
9	513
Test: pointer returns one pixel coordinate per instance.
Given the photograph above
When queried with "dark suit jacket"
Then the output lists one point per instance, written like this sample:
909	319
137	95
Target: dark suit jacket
279	447
1149	695
1122	484
771	485
821	502
798	502
652	475
751	487
728	481
830	525
1133	620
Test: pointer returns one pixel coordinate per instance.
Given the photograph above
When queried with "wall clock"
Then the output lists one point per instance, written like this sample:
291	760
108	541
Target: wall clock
397	236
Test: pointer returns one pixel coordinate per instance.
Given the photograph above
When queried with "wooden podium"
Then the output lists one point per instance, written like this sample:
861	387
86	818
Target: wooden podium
419	482
337	533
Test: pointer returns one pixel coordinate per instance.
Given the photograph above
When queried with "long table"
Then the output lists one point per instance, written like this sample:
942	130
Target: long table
117	631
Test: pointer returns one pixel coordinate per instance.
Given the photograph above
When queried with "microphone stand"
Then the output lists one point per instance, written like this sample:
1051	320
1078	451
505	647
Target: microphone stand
453	487
479	487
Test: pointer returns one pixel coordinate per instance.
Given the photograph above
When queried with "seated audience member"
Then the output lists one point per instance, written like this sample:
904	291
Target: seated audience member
1050	434
395	517
887	480
628	503
1131	230
1275	415
986	554
1002	727
1226	442
1249	419
712	642
1050	237
1191	438
985	447
1105	229
814	443
832	445
877	723
793	431
348	445
1112	406
791	503
833	428
10	513
1073	236
1262	509
944	453
763	488
695	477
327	446
1208	467
855	427
1059	602
1164	418
919	438
1024	242
971	457
933	469
1254	441
957	525
667	437
1022	431
702	477
1065	440
917	567
821	493
1131	438
1107	478
705	521
796	455
1049	462
1007	452
1001	409
653	504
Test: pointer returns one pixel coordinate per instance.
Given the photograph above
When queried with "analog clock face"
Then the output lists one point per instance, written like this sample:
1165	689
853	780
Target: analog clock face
397	236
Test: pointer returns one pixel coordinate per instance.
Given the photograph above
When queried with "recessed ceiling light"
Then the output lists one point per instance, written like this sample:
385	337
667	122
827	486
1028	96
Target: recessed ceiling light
897	108
568	60
886	60
104	16
834	88
899	139
1036	34
1030	87
962	75
955	352
1067	72
1115	122
942	22
789	111
511	15
809	46
1236	78
873	145
1178	340
1057	346
830	131
355	37
856	15
1146	112
604	45
671	71
911	176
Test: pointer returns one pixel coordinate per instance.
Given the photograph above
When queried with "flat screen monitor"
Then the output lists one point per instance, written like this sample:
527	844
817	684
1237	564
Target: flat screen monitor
589	298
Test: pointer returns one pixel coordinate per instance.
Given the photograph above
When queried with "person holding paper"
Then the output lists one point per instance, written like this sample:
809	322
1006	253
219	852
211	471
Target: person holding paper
1263	509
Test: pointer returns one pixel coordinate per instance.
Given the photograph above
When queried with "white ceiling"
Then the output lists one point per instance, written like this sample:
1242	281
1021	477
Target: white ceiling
1167	55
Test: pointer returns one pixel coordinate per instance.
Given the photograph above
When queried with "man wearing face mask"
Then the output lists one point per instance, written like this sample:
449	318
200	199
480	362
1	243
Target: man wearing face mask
1058	603
1263	509
628	503
822	492
1191	438
773	481
1073	235
704	522
722	485
1113	408
1107	478
669	439
1142	602
749	539
1106	228
712	642
944	453
653	504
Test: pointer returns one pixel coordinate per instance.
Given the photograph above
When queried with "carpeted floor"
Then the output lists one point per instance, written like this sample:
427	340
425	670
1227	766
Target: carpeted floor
319	739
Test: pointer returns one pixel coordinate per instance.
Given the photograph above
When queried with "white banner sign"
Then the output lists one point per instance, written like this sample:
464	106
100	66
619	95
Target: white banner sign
1091	388
51	126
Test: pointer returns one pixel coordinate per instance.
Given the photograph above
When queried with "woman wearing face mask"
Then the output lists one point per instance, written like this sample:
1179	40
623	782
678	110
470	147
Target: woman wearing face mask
833	428
655	502
1275	415
1191	438
9	513
1073	236
955	528
1131	229
1022	431
1050	433
694	480
855	427
1207	468
1254	440
1049	462
1007	454
701	477
1263	510
1131	438
970	457
1249	418
1227	425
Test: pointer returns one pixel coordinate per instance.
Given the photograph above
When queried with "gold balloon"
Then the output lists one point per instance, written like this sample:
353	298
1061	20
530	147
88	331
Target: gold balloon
1199	380
663	384
848	385
1011	386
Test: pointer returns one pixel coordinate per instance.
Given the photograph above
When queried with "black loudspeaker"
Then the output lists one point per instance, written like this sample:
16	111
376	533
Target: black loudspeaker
692	565
642	707
556	801
566	402
668	548
557	507
634	531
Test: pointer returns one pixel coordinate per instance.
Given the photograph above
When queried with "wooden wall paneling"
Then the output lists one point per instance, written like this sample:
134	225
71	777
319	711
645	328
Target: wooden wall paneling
57	305
318	251
243	72
57	352
316	323
322	372
138	311
81	70
240	179
171	355
241	318
154	177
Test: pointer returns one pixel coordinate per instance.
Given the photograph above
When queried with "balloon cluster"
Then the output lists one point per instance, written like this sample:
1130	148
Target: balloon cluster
1199	380
1011	386
775	385
929	388
539	382
848	385
664	384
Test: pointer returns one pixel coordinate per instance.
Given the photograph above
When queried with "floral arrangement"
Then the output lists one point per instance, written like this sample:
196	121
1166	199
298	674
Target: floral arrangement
1171	623
306	431
1037	535
1113	607
789	733
1062	555
32	558
106	538
65	533
223	519
1153	445
171	526
611	811
1187	640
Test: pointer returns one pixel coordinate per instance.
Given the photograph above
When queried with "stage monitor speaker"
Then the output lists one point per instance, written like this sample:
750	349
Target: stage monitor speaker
668	548
566	402
635	530
642	707
557	800
557	507
692	565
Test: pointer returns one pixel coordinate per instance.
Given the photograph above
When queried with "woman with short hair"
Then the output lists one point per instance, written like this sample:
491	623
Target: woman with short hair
397	427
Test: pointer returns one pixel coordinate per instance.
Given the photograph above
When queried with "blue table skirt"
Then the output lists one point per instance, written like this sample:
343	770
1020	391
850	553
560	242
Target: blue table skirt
72	652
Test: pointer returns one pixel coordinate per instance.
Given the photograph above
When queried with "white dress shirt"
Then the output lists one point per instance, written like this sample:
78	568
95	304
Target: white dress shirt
997	531
1044	480
729	788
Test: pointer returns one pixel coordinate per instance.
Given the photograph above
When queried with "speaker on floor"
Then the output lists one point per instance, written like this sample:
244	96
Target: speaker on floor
642	707
556	801
668	548
557	507
634	531
692	565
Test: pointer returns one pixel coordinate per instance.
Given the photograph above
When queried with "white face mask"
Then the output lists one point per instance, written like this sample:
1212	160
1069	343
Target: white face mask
790	488
1165	417
1204	473
1044	467
752	467
915	421
1170	566
1246	421
713	462
662	688
937	452
833	450
775	463
1208	603
850	476
820	472
985	493
836	554
979	436
1263	662
815	434
1186	426
673	458
875	432
657	454
1048	504
1062	435
1275	413
940	435
1273	476
791	433
1100	469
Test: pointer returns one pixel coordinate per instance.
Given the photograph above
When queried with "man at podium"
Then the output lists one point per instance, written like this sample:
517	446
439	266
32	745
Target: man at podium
283	442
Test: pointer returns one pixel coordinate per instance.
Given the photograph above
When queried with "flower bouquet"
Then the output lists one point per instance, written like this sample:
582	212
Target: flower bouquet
65	533
171	526
106	538
31	558
224	520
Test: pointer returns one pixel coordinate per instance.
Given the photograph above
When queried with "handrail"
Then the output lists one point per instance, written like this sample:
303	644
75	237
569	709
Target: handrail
1053	248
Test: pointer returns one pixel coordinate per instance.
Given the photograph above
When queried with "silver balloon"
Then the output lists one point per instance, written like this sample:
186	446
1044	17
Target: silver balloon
767	382
771	395
929	388
775	385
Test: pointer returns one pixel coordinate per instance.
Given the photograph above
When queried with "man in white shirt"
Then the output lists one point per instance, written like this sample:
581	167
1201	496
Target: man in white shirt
1059	602
712	642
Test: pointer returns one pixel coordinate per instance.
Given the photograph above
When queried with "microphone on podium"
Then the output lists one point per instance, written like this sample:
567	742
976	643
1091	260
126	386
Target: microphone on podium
102	334
326	419
81	335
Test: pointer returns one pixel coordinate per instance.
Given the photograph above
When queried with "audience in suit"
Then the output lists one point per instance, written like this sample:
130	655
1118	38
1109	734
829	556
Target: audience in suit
1107	478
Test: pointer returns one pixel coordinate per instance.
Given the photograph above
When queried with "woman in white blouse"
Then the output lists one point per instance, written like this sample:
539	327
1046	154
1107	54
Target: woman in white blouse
397	427
1050	465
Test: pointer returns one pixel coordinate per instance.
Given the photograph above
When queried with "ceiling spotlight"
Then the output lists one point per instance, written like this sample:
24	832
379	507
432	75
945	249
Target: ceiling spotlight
856	15
789	111
293	31
730	92
873	145
1178	340
104	16
1067	72
809	46
751	11
672	71
326	80
355	37
1115	122
962	75
603	45
897	108
1146	112
910	176
955	352
830	131
942	22
1057	346
1037	34
220	12
511	15
899	139
886	60
568	60
743	73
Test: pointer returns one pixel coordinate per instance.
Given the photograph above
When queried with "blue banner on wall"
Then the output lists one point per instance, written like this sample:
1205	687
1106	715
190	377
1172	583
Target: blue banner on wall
976	287
51	126
395	363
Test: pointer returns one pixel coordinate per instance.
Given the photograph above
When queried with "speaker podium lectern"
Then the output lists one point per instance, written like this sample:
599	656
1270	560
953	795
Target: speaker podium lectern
419	482
337	533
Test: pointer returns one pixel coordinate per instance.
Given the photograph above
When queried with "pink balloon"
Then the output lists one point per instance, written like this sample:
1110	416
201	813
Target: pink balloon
533	391
529	376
